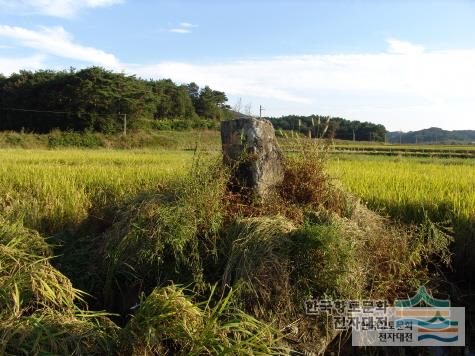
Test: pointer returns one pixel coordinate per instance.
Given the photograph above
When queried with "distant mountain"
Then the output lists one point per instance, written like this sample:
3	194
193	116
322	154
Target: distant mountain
432	135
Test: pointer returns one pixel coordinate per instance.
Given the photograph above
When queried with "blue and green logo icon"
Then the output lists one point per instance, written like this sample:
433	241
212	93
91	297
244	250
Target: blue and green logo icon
430	317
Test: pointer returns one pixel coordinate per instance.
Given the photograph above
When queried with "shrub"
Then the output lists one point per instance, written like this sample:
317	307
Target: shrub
162	124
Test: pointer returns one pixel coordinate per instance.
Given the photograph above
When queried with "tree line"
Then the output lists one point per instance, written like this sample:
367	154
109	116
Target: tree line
331	127
96	99
99	100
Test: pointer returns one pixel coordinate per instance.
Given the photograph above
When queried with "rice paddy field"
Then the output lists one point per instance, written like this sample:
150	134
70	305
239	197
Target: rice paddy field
52	189
49	188
410	187
122	223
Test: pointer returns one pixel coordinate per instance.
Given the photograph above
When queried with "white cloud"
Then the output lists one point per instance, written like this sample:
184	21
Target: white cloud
183	28
404	86
58	8
187	24
11	65
58	42
230	76
403	47
179	30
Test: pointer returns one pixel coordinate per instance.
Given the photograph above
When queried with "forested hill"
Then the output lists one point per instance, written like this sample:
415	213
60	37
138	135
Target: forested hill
95	99
98	100
432	135
331	127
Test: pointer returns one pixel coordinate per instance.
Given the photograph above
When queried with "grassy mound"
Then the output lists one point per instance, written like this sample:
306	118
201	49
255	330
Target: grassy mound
248	267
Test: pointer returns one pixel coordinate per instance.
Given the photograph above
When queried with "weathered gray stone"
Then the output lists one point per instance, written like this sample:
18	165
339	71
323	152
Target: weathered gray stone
251	149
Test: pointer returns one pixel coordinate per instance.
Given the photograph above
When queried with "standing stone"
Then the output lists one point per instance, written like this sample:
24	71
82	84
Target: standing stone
250	149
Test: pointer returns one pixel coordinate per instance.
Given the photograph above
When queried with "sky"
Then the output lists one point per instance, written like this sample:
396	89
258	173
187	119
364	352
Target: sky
405	64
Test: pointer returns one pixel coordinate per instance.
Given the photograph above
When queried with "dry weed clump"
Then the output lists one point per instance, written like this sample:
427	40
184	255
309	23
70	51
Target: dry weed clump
256	261
397	259
53	333
27	280
306	181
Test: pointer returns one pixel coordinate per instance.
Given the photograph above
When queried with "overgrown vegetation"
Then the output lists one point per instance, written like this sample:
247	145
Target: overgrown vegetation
413	191
131	229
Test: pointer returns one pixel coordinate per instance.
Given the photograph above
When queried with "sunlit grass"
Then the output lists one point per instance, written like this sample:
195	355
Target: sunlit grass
49	190
409	189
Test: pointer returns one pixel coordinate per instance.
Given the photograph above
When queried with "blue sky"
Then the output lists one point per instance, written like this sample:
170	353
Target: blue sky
405	64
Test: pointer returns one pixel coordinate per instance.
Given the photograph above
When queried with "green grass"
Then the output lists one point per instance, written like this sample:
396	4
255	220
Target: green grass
186	140
210	140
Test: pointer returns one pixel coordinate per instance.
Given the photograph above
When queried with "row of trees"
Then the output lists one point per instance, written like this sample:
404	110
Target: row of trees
97	99
335	127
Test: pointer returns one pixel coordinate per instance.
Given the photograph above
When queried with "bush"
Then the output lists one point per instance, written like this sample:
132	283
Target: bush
163	124
306	181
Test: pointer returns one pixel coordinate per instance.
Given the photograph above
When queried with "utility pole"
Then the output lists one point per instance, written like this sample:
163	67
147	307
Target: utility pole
125	124
261	109
354	135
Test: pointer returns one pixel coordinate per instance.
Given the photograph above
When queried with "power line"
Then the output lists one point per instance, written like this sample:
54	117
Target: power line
57	112
40	111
